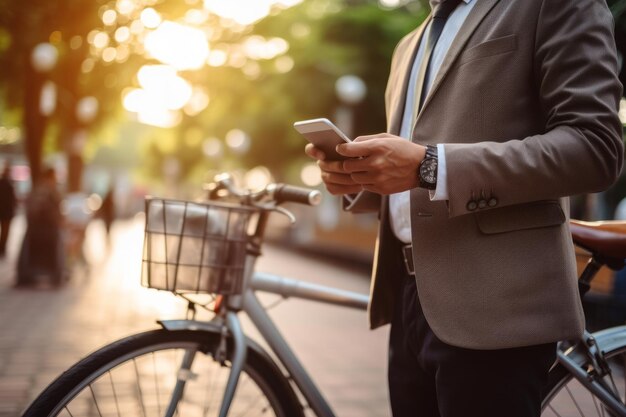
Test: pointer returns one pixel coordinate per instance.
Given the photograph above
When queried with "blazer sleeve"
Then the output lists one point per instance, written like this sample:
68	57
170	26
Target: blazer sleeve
581	151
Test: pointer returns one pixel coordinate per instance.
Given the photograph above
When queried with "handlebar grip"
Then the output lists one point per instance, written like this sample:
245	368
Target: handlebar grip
290	193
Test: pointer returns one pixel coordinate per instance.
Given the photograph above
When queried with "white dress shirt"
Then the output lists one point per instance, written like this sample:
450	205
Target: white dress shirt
399	203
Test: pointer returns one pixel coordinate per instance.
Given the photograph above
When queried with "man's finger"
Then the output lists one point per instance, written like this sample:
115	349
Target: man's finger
364	178
355	149
367	137
314	152
357	164
344	189
331	166
339	179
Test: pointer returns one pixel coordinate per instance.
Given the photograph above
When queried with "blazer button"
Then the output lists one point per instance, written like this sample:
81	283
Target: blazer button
482	204
492	202
471	206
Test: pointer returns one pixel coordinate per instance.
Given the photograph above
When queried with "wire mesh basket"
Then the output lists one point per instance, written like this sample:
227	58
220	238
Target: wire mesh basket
195	247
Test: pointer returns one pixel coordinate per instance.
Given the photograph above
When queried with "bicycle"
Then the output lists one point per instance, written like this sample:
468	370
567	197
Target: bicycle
192	367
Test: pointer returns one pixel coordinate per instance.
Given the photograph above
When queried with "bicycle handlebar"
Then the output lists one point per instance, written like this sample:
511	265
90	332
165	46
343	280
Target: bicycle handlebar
273	193
290	193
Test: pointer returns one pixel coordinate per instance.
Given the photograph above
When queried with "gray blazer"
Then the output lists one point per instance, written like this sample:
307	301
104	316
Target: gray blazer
526	104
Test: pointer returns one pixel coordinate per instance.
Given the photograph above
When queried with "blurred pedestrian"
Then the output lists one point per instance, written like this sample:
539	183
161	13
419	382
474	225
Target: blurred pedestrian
7	207
107	211
77	214
42	250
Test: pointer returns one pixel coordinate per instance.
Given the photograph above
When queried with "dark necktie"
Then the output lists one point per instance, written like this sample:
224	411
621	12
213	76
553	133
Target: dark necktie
440	16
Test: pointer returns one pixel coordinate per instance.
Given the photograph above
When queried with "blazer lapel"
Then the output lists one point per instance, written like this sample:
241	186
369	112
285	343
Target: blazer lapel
476	16
402	74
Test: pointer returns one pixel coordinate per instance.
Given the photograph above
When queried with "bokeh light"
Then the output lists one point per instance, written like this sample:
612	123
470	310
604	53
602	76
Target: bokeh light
150	18
109	17
177	45
311	175
257	178
212	147
238	141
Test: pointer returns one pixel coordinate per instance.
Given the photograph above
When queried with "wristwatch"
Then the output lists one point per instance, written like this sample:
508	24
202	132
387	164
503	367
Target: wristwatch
427	172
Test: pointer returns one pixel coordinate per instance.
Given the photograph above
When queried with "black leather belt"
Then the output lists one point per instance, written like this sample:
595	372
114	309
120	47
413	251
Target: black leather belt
407	255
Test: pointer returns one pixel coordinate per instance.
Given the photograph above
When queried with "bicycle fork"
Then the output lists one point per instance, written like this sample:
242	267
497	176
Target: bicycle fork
230	327
591	378
233	326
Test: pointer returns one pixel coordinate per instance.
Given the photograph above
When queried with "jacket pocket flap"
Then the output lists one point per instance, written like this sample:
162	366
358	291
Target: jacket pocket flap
519	217
489	48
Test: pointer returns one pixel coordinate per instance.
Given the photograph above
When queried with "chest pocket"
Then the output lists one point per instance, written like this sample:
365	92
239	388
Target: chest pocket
488	48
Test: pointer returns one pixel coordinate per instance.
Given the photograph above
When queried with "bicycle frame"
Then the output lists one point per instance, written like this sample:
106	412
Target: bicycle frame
250	304
590	351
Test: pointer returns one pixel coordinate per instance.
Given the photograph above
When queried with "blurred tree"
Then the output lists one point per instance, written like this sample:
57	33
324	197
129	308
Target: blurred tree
76	90
256	81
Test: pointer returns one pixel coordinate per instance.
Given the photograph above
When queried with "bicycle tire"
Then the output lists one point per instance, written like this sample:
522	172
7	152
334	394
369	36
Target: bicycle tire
565	396
87	380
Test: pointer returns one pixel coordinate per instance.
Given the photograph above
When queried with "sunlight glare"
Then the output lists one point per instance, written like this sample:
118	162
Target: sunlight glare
165	86
244	12
150	18
162	95
159	117
256	47
125	7
177	45
217	58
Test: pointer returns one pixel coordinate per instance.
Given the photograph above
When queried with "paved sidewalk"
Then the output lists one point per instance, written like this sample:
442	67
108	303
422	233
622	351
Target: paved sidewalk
43	331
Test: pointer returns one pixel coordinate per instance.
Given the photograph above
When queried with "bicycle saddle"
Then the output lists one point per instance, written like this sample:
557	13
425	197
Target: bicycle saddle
605	238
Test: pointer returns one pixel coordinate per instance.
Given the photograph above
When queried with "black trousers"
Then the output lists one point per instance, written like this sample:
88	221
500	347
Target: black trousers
429	378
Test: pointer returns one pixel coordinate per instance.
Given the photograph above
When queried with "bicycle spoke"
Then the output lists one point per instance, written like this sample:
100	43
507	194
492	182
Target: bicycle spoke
171	378
595	404
143	406
251	406
598	405
117	404
554	411
95	402
212	389
569	391
156	384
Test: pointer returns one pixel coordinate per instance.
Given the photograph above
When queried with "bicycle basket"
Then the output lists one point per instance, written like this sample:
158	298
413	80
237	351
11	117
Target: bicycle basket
194	247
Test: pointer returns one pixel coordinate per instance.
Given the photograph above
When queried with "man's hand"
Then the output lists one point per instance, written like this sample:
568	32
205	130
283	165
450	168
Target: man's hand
382	163
337	180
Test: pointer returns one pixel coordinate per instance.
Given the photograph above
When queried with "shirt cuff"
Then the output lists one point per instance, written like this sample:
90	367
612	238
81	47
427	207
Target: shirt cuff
441	192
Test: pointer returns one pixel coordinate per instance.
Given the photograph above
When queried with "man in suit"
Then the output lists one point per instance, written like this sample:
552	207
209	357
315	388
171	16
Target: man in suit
509	107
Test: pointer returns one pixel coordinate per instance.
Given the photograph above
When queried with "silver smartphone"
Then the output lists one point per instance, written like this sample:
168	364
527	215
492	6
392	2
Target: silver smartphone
324	135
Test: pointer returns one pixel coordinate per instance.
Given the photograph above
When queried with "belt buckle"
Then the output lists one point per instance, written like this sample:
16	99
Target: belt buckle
407	255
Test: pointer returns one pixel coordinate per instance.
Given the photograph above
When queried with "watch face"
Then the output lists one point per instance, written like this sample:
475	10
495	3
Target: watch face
428	171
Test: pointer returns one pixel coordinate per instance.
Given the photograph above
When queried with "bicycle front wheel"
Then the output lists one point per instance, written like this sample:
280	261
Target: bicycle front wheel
567	397
165	373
